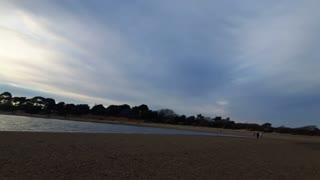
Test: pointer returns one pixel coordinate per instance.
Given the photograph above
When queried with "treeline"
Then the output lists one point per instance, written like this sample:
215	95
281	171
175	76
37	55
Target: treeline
41	105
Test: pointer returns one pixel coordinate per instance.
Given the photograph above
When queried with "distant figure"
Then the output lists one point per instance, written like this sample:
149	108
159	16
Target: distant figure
258	135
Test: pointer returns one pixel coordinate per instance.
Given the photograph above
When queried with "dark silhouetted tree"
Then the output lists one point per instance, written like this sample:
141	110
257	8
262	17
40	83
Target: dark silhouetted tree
121	110
6	101
6	95
82	109
140	112
18	102
60	108
98	110
70	109
49	105
167	113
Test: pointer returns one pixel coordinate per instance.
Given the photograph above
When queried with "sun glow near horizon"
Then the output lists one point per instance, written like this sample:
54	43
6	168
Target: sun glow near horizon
29	59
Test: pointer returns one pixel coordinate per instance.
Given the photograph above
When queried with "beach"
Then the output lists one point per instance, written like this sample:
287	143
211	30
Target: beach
30	155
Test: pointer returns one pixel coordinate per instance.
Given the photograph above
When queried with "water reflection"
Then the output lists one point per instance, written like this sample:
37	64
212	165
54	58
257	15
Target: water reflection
19	123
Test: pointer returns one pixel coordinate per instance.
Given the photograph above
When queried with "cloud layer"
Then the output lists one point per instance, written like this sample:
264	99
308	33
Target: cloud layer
252	61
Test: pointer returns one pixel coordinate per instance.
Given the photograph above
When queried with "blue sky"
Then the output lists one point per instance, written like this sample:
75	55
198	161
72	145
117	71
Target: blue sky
250	60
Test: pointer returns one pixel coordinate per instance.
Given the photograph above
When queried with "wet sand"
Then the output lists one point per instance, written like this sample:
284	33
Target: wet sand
26	155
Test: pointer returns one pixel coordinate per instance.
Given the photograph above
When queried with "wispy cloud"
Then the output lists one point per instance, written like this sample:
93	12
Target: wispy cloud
278	47
248	60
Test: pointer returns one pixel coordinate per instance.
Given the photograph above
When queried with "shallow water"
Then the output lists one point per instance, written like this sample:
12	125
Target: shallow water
20	123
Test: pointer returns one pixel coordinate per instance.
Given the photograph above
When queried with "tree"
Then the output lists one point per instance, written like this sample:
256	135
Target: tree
142	107
6	106
6	95
18	101
190	120
121	110
60	108
31	108
268	125
5	98
49	104
38	101
181	119
218	118
167	113
70	109
82	109
141	111
98	110
200	117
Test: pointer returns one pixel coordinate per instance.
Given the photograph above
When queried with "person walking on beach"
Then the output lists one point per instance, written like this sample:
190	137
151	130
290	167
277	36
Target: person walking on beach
258	135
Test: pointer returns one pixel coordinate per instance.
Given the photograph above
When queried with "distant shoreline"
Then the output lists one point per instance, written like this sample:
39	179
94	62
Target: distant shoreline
135	122
126	121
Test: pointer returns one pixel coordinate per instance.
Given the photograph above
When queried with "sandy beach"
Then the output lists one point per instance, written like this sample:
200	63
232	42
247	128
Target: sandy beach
26	155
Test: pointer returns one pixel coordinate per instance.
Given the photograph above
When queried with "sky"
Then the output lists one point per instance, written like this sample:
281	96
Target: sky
252	61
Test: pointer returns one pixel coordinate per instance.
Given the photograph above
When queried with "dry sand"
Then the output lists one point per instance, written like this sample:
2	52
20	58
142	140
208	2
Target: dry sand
25	155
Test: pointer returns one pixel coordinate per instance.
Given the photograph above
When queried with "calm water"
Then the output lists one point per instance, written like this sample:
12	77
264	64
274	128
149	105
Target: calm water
18	123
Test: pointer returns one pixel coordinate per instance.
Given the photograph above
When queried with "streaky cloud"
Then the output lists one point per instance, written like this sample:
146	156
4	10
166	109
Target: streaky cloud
252	61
